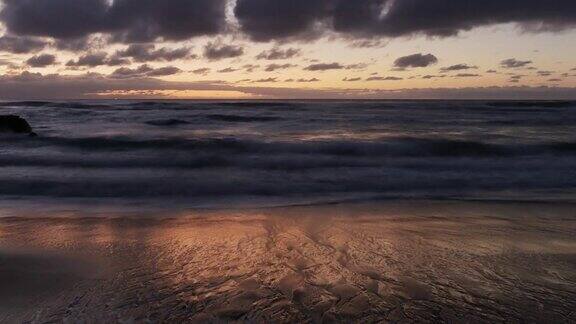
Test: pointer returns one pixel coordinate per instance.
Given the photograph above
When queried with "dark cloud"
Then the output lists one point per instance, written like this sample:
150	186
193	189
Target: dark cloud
351	79
250	67
379	78
79	44
458	67
97	59
308	80
267	80
21	45
128	20
515	78
275	67
429	76
42	60
228	70
466	75
415	61
324	67
545	73
201	71
279	54
514	63
55	18
554	80
491	71
149	53
164	71
143	71
265	20
215	51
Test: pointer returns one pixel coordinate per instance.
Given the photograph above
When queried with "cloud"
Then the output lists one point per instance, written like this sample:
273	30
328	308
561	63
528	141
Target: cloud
228	70
430	76
32	86
267	80
515	78
40	61
379	78
368	43
279	54
325	67
458	67
215	51
126	20
164	71
265	20
466	75
8	64
250	67
96	59
275	67
351	79
308	80
358	66
492	71
21	45
149	53
544	73
514	63
201	71
415	61
143	71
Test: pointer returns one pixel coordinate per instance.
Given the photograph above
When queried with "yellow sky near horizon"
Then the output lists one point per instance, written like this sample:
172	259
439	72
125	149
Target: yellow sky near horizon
483	47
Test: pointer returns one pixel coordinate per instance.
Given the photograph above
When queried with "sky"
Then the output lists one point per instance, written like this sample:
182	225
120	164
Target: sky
288	49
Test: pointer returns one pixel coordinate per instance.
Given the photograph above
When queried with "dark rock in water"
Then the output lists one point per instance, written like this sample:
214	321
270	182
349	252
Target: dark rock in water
15	125
167	122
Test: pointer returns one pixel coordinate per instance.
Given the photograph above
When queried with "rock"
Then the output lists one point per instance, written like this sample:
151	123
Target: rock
15	125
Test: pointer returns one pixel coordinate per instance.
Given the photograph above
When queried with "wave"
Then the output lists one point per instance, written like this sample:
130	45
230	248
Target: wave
255	104
219	183
242	119
535	104
167	122
50	104
414	147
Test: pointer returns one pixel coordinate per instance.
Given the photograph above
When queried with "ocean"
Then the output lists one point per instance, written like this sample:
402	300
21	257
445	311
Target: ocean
221	154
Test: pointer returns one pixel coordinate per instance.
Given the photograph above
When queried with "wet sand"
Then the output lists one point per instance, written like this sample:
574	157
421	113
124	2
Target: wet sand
400	262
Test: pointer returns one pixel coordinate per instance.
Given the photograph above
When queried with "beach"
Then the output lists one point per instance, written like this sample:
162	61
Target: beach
398	261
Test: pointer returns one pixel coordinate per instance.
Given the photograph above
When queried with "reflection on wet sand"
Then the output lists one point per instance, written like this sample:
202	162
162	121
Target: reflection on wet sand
402	262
